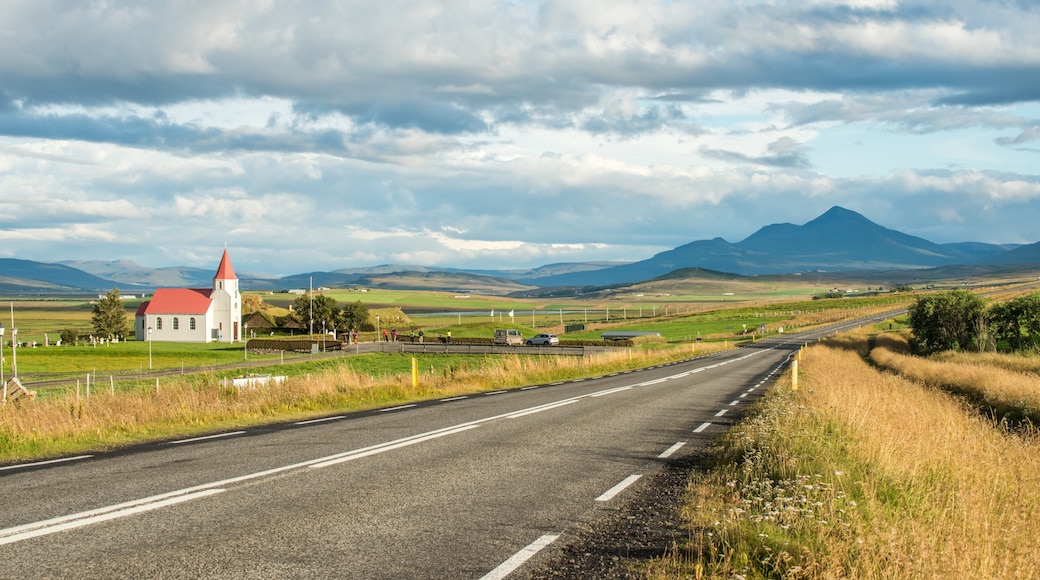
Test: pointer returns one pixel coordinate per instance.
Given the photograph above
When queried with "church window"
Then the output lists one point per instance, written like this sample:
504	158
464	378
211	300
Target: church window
176	323
158	323
191	324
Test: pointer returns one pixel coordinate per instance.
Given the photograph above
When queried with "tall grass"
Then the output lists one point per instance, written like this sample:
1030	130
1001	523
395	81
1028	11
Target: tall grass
192	404
862	474
1007	387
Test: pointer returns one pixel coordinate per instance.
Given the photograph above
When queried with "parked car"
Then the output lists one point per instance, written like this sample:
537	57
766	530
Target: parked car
509	336
543	340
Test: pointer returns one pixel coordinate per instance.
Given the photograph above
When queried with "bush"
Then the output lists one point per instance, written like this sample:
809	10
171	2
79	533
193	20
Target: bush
69	336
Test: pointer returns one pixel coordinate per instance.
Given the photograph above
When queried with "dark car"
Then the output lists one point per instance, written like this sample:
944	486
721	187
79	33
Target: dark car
543	340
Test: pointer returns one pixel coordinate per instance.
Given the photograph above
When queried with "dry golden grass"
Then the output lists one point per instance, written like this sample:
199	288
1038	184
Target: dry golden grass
1007	386
193	405
863	474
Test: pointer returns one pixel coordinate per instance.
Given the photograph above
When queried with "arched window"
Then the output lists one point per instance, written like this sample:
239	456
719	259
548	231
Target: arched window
158	323
191	324
176	323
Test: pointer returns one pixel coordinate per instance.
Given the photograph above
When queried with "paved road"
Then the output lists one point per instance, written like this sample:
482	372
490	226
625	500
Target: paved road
467	487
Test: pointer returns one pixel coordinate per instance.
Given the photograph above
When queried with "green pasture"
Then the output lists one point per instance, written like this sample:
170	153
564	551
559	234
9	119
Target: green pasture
120	357
36	319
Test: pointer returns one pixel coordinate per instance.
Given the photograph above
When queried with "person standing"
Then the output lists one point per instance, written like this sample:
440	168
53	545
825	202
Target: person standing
420	336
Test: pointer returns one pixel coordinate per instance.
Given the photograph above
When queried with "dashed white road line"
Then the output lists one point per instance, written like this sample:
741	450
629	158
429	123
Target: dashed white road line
702	427
620	487
322	420
204	438
517	560
671	450
48	462
721	413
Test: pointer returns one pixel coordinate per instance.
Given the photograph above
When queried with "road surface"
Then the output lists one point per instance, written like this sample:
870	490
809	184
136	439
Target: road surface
467	487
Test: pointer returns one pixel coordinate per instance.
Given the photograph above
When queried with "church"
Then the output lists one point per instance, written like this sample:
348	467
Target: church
194	314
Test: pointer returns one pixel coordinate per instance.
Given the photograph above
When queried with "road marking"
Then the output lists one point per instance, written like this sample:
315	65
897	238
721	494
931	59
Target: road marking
72	521
217	436
528	388
653	382
495	393
506	568
455	399
668	452
398	408
610	493
25	532
721	413
48	462
322	420
609	391
382	448
734	403
534	410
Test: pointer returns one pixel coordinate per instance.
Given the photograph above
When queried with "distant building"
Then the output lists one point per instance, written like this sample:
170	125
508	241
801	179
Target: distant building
193	314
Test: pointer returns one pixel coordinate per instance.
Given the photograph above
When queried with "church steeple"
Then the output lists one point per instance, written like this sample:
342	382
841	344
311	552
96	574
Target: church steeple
225	271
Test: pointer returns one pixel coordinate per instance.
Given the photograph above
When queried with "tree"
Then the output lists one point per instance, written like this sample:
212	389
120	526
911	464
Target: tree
1017	321
109	318
325	310
947	320
354	315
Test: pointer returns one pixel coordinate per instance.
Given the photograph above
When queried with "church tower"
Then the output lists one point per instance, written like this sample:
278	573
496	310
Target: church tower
227	302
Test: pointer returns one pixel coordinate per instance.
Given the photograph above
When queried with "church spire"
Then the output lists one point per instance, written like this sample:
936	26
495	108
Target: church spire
225	271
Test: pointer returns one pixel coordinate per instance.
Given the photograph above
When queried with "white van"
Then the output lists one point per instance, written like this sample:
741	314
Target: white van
509	336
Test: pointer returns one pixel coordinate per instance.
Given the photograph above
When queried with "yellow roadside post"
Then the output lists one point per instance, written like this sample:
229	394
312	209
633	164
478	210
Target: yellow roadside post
415	373
794	375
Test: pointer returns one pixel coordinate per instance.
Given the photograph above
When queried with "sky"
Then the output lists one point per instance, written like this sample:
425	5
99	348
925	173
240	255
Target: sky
313	135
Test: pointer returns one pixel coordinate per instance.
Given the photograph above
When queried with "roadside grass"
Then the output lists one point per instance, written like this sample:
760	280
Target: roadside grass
861	473
1005	387
70	423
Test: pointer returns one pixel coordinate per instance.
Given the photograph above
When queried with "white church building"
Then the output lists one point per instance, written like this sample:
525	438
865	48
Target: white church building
194	314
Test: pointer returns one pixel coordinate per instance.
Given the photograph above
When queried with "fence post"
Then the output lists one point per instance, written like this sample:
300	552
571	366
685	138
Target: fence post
794	375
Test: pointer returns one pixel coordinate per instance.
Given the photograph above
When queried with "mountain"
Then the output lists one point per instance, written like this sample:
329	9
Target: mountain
22	276
1029	254
840	239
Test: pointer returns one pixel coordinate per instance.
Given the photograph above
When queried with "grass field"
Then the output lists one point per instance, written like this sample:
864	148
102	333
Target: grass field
865	473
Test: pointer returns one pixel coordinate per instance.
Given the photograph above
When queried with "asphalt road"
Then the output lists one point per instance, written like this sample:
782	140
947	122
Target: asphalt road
469	487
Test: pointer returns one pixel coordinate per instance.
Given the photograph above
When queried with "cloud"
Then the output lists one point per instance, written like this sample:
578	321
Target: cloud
784	152
328	134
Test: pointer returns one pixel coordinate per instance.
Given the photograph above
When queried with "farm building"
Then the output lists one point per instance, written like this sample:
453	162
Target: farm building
194	314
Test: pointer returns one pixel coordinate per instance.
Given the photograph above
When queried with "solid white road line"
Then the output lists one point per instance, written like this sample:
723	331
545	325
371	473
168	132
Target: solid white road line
517	560
541	408
610	493
12	535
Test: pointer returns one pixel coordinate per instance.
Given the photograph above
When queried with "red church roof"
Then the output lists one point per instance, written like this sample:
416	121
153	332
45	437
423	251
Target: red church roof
225	271
178	301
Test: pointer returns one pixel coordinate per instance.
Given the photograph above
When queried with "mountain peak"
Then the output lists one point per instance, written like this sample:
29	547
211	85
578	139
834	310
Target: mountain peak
839	214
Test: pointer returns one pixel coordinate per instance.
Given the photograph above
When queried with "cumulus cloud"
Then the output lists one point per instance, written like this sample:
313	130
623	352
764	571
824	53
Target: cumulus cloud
499	134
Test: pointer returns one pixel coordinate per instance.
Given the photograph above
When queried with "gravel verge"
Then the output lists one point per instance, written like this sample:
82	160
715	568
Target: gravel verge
643	527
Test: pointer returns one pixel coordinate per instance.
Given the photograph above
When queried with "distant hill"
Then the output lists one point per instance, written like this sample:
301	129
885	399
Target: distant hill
26	276
1029	254
839	239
